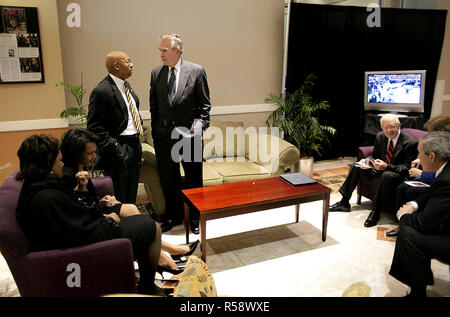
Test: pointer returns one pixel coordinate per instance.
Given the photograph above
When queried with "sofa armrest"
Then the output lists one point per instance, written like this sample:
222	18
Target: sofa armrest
271	152
103	268
148	153
364	151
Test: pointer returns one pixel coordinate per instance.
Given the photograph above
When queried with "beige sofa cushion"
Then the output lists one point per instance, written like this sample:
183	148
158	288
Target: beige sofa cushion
210	176
237	169
223	133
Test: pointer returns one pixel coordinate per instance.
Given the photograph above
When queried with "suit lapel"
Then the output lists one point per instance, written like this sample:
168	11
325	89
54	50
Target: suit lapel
384	148
118	96
398	146
184	75
162	83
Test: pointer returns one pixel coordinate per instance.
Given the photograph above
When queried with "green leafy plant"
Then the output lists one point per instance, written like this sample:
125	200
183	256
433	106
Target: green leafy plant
79	113
296	116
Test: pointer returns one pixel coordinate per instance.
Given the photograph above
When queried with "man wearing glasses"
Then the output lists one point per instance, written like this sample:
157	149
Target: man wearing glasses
393	152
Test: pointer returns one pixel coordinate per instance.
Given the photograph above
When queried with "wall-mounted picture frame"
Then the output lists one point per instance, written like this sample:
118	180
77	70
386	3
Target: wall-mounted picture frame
20	46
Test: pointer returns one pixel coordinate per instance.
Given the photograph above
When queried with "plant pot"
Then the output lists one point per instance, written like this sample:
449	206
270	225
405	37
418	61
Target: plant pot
306	165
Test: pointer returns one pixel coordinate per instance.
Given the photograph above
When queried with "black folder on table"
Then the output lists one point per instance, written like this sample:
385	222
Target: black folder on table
297	179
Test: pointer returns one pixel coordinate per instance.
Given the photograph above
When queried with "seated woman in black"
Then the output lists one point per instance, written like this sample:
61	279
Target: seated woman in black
52	218
78	149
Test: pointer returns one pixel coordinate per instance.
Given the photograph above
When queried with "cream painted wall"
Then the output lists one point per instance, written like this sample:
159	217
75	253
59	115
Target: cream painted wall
37	101
240	43
444	66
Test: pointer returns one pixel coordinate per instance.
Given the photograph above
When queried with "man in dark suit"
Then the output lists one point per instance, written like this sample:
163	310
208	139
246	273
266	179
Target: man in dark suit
179	107
425	222
391	158
114	116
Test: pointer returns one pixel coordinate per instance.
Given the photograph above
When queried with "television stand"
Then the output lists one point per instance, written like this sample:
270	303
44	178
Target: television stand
372	124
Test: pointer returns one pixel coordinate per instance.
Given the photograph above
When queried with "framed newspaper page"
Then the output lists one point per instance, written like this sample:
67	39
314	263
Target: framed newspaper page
20	46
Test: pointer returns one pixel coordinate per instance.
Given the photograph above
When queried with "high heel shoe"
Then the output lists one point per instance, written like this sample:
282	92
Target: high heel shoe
161	269
192	248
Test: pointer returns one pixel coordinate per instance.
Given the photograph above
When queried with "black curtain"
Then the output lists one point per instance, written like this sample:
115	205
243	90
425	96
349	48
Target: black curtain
336	44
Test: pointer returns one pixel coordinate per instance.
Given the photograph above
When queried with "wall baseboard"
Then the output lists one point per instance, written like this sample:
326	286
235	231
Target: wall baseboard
10	126
27	125
224	110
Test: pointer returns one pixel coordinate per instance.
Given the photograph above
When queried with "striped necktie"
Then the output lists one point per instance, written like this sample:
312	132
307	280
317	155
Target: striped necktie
133	110
390	152
171	85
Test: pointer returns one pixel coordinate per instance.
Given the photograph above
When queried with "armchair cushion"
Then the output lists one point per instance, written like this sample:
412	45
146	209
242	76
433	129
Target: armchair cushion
196	280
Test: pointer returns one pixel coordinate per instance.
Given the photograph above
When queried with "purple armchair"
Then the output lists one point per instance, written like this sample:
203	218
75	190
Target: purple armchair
368	187
105	267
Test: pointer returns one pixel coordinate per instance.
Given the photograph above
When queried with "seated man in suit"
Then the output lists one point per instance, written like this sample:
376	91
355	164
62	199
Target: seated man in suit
425	222
391	158
407	193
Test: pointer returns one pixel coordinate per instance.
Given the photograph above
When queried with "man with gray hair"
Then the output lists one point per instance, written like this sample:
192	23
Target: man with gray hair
391	158
179	107
425	223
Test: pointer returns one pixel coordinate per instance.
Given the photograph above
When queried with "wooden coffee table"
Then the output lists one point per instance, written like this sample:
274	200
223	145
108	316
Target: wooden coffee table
239	198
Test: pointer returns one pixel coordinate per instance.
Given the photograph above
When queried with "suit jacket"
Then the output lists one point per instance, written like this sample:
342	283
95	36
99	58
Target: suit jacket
191	100
433	215
404	153
108	117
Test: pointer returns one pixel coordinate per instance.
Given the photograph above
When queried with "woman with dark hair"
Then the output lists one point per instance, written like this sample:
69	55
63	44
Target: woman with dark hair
78	149
52	218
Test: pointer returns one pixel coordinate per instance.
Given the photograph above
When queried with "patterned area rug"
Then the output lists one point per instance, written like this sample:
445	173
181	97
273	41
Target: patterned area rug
332	182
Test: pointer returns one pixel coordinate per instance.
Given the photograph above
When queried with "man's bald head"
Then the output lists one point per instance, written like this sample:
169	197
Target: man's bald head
119	64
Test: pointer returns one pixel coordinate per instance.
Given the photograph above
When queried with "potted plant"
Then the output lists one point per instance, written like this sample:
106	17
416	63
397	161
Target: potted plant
79	113
296	117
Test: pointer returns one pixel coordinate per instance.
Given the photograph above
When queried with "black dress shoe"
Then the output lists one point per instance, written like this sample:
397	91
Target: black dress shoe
194	226
339	206
161	269
393	233
372	219
192	248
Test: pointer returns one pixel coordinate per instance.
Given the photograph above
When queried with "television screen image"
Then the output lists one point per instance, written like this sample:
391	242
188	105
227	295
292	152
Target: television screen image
395	88
393	91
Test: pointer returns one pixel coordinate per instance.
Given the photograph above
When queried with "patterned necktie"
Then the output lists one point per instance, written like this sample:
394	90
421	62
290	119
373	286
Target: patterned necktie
171	85
133	110
390	152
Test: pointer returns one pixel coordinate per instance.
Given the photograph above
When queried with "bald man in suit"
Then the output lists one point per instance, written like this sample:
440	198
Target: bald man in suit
179	107
111	117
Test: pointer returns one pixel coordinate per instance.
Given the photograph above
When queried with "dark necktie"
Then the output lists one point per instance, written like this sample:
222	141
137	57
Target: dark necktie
390	152
171	85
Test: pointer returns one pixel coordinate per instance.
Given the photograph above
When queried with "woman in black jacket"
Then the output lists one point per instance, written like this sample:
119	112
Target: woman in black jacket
52	218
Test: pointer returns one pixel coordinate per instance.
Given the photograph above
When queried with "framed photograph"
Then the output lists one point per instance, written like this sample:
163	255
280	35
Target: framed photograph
20	46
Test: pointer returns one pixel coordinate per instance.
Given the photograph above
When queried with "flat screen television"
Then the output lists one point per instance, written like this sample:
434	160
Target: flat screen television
395	91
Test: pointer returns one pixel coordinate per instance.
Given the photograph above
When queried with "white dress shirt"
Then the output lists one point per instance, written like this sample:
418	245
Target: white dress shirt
131	127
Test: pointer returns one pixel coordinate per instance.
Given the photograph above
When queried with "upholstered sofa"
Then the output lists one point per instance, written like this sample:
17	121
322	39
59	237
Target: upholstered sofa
230	153
107	267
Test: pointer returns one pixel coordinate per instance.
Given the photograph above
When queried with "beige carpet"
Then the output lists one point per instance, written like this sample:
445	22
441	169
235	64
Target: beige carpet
250	247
